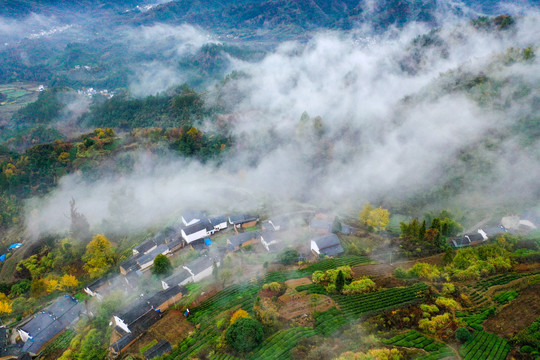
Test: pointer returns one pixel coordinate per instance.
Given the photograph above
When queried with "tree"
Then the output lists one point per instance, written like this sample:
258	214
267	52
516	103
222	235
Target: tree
340	281
288	256
99	256
225	276
377	219
244	334
162	265
79	225
68	282
463	335
239	314
336	225
5	304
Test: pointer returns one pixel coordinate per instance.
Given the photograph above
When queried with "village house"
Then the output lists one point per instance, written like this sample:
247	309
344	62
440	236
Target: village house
181	277
470	239
136	311
270	240
328	245
320	225
94	288
161	348
243	220
197	231
219	222
201	267
147	260
130	265
47	324
238	241
191	217
162	300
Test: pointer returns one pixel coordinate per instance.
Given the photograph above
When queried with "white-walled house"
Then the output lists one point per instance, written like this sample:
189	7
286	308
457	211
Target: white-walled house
219	222
197	231
181	277
192	217
201	267
328	245
147	260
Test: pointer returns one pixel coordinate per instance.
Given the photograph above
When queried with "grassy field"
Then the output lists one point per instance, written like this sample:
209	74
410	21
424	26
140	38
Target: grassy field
18	95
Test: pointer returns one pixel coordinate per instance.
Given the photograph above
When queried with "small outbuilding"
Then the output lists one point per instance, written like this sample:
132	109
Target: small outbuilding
328	245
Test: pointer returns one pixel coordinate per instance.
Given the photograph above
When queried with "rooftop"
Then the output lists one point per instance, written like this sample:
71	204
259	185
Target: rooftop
135	311
200	264
159	349
241	238
333	250
326	241
152	254
164	295
242	218
177	277
201	225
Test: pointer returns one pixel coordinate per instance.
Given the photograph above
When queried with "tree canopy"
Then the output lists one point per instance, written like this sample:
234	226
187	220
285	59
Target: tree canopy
99	256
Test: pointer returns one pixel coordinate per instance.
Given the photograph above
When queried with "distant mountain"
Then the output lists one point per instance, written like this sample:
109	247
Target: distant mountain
252	18
22	8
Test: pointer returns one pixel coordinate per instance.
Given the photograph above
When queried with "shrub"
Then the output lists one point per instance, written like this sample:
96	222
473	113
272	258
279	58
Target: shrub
360	286
448	303
244	334
448	288
288	256
463	335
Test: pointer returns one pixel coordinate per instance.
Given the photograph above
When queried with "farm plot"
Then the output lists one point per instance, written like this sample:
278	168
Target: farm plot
328	264
443	353
356	305
505	297
414	339
233	296
496	280
329	322
475	320
278	345
484	346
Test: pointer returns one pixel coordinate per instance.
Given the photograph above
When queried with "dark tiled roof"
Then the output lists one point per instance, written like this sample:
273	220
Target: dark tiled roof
493	231
52	320
241	238
145	246
270	235
177	277
135	311
164	295
190	215
200	264
152	254
320	224
126	264
460	242
332	250
217	220
144	322
201	225
475	237
242	218
161	348
174	243
326	241
98	283
123	342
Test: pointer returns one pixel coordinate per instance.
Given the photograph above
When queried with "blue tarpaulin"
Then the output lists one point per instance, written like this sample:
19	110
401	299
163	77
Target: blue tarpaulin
15	246
207	241
2	257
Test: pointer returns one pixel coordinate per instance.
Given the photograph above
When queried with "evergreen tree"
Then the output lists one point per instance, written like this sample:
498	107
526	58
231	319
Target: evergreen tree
340	281
162	265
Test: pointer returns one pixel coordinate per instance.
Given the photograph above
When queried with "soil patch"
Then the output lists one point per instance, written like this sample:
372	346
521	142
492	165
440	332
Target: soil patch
300	306
517	315
376	270
293	283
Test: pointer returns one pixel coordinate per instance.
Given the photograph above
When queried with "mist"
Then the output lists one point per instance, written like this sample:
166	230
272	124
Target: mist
335	122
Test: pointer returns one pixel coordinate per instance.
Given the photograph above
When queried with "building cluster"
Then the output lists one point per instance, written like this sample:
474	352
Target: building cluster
511	224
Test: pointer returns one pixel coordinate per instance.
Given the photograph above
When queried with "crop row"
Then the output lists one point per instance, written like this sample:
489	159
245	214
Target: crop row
222	357
475	320
484	346
415	340
328	264
227	298
442	353
280	276
505	297
312	289
192	345
359	304
61	342
497	280
328	322
278	345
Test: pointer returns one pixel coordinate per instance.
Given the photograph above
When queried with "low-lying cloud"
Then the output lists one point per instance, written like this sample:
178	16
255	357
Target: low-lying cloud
385	132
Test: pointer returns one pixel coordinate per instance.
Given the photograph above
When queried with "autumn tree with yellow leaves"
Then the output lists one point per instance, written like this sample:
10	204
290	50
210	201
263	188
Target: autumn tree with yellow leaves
5	304
99	256
377	218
